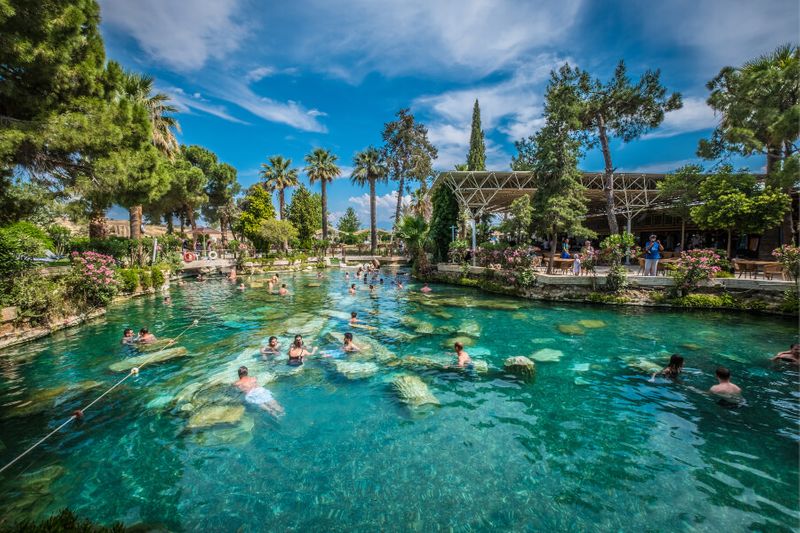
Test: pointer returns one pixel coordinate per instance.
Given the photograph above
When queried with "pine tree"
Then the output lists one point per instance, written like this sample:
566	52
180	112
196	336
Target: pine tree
476	158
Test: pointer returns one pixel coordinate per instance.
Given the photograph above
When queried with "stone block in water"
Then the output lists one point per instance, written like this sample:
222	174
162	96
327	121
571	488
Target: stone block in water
469	327
644	365
571	329
592	324
355	370
547	355
520	366
215	415
150	358
463	339
413	391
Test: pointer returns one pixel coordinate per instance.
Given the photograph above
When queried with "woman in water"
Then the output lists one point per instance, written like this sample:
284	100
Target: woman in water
673	369
298	352
463	360
348	345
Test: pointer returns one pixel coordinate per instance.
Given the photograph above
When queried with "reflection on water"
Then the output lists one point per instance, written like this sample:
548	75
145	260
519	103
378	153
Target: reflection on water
590	445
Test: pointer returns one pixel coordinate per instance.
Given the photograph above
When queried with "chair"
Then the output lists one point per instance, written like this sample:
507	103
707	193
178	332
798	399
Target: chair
641	266
742	268
565	265
774	269
661	269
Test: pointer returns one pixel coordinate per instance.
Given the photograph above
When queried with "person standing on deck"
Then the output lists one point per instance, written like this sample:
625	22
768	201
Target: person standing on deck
652	254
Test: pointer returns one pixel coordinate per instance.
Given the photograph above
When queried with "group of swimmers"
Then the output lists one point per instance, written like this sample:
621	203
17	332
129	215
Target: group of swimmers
144	337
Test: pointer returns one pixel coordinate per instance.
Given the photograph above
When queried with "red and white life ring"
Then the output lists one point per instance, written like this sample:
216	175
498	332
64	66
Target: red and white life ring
212	255
189	257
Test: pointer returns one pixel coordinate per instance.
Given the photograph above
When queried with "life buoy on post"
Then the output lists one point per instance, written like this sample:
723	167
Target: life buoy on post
189	257
212	255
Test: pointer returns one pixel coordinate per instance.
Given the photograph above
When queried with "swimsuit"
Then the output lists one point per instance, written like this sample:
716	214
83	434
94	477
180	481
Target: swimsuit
258	396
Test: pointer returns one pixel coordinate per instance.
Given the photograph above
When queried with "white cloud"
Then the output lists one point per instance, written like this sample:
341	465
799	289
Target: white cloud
186	104
660	166
695	115
260	73
182	34
386	206
478	37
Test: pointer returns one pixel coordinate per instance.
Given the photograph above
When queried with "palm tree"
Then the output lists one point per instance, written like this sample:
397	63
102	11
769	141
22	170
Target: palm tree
413	230
368	169
421	204
277	176
321	167
138	88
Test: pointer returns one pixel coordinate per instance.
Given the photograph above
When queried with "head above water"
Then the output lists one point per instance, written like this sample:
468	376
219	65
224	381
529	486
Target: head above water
273	340
242	371
143	331
353	286
723	374
353	314
283	285
348	337
458	346
298	340
676	362
127	333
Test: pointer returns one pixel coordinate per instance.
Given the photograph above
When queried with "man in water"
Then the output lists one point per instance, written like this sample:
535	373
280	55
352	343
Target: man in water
127	336
348	345
425	289
463	360
145	337
725	387
272	348
256	395
283	290
352	289
792	355
241	286
167	300
353	318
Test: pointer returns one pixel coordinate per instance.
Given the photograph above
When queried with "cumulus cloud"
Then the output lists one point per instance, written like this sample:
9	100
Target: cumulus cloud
695	115
385	206
182	34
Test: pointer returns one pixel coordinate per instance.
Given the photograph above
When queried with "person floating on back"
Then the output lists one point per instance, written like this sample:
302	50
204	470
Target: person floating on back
725	387
792	355
256	395
673	369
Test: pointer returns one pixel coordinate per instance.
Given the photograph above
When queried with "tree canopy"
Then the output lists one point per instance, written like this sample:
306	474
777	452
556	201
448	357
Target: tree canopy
476	157
305	213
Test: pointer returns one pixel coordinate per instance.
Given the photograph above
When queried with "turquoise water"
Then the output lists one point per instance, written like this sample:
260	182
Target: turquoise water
590	445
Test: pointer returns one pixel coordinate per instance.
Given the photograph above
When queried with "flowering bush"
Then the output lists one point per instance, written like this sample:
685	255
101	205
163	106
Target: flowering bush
693	267
457	252
91	280
614	247
789	257
509	258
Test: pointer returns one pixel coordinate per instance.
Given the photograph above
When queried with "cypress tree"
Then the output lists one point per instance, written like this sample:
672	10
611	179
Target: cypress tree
476	158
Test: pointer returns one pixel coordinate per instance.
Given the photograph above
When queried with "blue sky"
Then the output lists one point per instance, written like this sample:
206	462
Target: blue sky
254	79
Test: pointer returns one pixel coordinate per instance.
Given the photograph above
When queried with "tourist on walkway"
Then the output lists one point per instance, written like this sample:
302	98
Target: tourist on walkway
652	253
565	249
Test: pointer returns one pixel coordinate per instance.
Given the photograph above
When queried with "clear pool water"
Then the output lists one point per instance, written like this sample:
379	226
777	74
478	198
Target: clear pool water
590	445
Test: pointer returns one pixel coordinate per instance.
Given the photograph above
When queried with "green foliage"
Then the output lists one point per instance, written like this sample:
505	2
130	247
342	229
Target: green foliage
407	152
369	169
256	208
221	189
457	252
28	201
20	243
60	237
519	220
274	233
526	278
145	278
693	267
413	230
128	279
116	247
91	281
790	303
789	256
444	216
277	176
476	157
37	298
349	222
321	167
616	278
614	247
157	276
305	213
605	298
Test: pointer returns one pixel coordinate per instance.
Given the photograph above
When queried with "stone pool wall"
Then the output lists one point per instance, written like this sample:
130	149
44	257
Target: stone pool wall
757	295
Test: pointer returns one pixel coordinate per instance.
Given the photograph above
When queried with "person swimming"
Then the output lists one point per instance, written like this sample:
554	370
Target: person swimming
257	395
463	360
792	355
347	275
232	274
241	286
348	344
425	288
673	368
167	300
352	289
353	318
145	337
298	352
272	348
371	287
725	387
283	291
127	336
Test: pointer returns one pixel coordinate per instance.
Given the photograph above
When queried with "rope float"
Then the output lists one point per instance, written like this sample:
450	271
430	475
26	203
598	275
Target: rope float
79	413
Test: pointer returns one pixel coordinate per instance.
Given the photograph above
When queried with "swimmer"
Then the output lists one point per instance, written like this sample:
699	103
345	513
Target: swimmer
167	300
673	369
298	352
232	274
399	284
425	289
348	345
792	355
270	284
283	290
200	277
347	275
371	287
256	395
352	289
241	287
319	275
272	348
725	387
127	336
145	337
353	318
381	281
463	358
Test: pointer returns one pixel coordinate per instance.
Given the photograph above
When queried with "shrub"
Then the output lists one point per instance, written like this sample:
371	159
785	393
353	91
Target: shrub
60	237
614	247
526	278
36	297
158	277
128	279
116	247
602	298
145	279
723	274
91	282
617	278
693	267
63	521
20	243
790	302
457	251
789	257
705	301
507	258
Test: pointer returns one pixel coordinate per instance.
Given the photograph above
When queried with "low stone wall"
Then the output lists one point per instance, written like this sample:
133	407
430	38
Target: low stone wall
12	333
730	293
